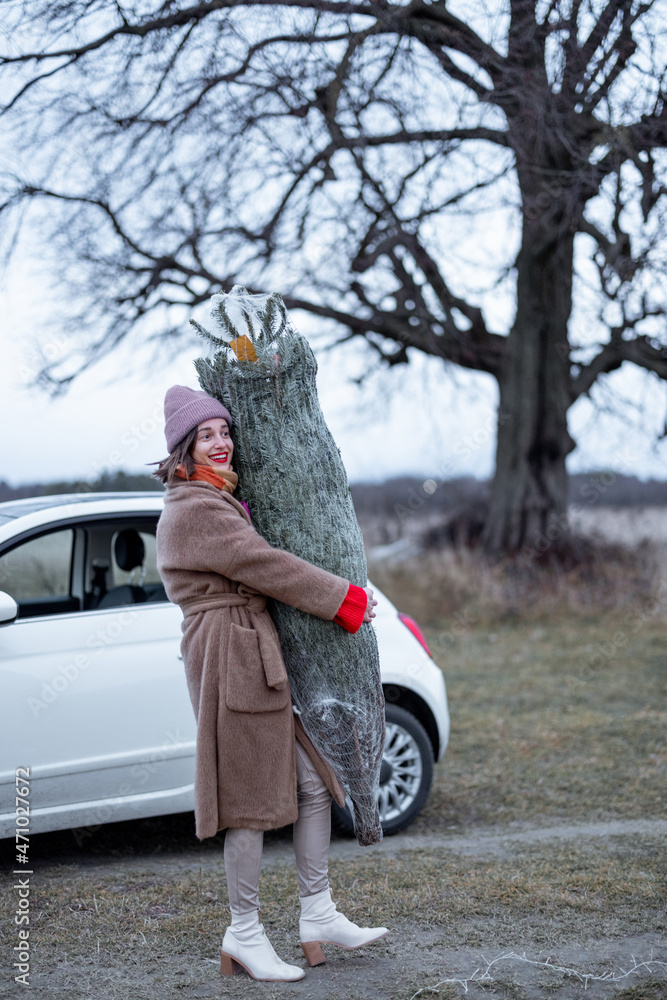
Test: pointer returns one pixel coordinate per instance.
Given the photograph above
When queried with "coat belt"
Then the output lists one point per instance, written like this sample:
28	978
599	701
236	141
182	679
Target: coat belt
254	603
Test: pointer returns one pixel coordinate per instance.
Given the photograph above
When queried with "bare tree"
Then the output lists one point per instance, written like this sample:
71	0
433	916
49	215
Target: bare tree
418	177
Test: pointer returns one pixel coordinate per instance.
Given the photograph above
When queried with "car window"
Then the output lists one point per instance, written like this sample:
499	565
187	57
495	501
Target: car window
121	564
94	565
151	575
37	573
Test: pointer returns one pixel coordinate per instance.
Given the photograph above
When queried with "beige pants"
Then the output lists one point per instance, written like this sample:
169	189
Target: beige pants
312	832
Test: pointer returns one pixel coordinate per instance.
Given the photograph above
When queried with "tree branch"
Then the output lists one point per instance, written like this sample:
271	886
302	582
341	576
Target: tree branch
436	24
639	351
176	19
389	326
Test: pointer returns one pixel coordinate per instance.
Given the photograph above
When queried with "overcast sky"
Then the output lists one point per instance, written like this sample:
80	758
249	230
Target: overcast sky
425	419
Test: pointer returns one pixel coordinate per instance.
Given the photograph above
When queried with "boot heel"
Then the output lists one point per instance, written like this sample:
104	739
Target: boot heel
313	952
228	966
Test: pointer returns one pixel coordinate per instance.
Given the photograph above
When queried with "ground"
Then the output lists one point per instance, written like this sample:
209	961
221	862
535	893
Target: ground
528	913
536	869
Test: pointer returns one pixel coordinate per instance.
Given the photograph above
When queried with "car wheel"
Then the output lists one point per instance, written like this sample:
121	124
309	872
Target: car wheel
405	777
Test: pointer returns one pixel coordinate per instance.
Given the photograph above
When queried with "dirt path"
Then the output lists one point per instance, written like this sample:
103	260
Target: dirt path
529	960
278	848
500	843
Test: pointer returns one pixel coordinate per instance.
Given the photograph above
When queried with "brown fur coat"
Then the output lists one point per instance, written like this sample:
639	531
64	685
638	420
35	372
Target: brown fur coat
219	570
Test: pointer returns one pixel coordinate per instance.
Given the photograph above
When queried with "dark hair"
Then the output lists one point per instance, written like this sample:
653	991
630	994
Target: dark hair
181	455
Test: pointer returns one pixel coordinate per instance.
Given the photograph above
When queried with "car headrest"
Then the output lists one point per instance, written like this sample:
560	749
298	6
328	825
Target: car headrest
129	549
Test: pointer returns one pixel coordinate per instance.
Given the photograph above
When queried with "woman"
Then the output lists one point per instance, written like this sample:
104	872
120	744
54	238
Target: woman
256	769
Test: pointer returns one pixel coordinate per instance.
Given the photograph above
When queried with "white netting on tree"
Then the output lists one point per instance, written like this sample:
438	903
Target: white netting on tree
292	477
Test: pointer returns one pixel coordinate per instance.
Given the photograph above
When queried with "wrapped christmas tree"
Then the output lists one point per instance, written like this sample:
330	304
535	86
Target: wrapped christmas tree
292	477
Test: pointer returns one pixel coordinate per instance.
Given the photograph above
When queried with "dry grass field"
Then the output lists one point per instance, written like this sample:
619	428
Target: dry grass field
623	567
537	869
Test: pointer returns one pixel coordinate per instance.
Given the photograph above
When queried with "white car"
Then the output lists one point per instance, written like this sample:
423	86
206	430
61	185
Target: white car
96	713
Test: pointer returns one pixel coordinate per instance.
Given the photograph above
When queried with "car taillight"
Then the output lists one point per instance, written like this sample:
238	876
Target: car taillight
415	629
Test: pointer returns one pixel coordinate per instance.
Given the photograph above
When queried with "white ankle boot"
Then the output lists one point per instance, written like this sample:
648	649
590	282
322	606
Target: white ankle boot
321	922
245	944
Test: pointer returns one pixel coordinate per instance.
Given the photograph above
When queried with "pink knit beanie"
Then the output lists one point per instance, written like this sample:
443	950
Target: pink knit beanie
185	408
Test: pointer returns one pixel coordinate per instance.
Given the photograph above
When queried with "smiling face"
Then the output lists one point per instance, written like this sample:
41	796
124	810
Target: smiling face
214	445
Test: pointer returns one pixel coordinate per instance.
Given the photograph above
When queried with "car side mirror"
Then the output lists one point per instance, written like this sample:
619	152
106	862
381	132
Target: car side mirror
9	609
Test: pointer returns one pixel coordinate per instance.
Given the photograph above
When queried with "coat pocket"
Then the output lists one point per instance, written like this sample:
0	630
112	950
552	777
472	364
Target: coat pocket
247	682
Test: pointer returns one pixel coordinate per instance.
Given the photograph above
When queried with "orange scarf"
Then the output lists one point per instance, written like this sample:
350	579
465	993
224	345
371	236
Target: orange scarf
225	479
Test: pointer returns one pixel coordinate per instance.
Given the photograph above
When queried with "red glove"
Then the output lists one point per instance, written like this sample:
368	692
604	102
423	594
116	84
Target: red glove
351	612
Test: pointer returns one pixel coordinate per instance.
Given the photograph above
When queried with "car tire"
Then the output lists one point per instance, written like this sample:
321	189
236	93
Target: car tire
406	777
